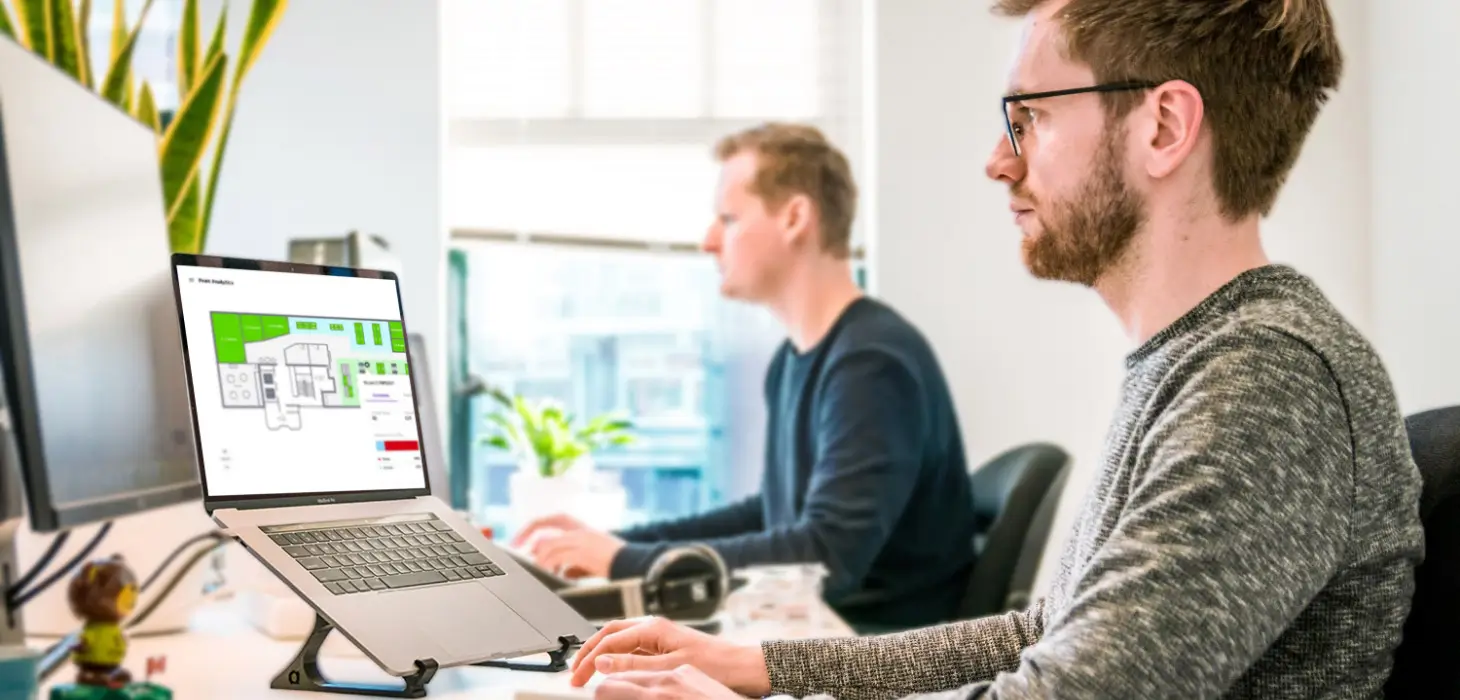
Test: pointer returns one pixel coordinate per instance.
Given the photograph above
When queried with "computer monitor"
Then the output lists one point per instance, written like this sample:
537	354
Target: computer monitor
431	437
89	345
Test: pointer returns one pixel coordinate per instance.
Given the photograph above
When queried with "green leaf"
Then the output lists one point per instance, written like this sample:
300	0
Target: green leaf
6	26
147	108
182	228
116	87
35	33
186	138
499	442
119	30
83	44
187	46
64	38
262	21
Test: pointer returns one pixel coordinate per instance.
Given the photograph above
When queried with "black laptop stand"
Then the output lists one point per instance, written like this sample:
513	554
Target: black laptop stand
303	672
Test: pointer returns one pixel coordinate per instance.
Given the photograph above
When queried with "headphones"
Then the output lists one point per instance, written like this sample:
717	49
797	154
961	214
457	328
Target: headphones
687	582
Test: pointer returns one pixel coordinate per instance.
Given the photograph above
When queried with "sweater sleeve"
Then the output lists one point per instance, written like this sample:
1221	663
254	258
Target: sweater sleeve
1237	515
743	516
918	661
870	423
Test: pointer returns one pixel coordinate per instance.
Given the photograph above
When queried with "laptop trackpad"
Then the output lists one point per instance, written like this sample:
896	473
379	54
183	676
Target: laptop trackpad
471	622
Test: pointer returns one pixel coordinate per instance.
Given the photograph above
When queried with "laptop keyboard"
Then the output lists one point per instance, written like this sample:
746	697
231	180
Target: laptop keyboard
384	555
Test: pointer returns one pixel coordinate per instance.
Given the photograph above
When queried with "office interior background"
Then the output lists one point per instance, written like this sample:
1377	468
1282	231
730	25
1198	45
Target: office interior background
541	169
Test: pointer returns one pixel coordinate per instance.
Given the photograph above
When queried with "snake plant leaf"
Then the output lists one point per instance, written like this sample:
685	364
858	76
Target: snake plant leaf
187	47
7	27
147	108
119	30
30	19
262	21
117	86
65	39
182	224
186	139
83	44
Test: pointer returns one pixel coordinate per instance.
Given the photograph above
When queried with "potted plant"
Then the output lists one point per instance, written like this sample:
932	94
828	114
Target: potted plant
554	455
208	95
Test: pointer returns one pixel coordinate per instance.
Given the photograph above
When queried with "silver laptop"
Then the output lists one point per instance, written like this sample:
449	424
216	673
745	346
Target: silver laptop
304	403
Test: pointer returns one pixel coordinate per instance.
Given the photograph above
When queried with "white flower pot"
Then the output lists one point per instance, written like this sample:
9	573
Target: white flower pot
594	497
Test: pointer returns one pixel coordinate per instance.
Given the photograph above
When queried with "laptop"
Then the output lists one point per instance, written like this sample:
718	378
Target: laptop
305	410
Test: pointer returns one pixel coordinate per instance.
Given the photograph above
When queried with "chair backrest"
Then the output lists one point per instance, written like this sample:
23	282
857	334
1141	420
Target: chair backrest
1015	496
1425	664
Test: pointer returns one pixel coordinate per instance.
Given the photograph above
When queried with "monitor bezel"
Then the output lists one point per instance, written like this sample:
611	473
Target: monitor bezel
24	406
287	500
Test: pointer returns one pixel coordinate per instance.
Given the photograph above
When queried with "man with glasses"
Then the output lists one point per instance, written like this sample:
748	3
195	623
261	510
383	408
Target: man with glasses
1253	528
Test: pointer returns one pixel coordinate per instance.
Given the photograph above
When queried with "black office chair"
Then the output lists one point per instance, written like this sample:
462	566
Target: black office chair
1015	496
1425	664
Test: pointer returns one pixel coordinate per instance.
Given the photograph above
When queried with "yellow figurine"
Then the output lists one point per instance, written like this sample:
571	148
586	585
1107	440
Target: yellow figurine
103	594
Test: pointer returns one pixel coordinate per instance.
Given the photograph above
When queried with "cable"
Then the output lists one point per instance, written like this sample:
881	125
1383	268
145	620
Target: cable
40	565
16	602
156	601
216	535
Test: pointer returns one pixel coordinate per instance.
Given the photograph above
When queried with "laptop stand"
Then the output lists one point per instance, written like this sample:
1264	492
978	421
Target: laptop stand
303	673
557	659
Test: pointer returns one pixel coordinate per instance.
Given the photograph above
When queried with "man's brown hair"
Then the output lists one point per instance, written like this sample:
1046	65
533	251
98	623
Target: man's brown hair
798	159
1263	67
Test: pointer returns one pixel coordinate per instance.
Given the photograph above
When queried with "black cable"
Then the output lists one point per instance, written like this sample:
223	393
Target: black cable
182	573
18	601
216	535
40	565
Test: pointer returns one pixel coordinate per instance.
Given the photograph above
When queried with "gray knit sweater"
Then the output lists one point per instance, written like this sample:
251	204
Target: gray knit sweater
1252	533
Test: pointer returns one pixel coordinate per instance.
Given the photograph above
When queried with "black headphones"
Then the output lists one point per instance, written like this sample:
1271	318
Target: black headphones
687	582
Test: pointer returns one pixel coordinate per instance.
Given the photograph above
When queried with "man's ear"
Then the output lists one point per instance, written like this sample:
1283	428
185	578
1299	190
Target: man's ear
795	216
1176	125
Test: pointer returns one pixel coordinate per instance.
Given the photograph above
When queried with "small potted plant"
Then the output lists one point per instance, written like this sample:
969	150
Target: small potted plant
554	453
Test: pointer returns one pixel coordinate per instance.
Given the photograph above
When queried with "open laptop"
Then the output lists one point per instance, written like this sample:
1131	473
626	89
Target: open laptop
305	411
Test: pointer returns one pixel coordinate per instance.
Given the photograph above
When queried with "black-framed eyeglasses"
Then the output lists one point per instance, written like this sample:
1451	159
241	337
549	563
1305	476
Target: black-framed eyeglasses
1025	97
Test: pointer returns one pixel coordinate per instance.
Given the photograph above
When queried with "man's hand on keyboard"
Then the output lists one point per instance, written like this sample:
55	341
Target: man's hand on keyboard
585	553
563	544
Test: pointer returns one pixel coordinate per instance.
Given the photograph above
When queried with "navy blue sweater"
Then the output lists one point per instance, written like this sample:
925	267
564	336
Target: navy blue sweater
865	472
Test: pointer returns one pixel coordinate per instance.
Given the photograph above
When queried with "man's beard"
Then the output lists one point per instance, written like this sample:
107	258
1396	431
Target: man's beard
1088	234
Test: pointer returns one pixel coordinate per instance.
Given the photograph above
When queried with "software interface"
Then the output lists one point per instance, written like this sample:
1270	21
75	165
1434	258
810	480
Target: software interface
301	382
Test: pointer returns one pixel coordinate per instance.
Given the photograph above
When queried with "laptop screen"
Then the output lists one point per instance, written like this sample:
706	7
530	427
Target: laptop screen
301	383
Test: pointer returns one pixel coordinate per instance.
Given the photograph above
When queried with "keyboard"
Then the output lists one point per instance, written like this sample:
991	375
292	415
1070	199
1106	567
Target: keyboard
363	555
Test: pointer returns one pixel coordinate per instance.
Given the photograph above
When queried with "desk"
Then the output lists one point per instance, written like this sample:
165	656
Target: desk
223	657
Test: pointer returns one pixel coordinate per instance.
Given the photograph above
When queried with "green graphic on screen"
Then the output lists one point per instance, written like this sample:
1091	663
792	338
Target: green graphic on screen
283	366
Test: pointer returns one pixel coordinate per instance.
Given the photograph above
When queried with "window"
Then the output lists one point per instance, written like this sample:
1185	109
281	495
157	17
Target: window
579	181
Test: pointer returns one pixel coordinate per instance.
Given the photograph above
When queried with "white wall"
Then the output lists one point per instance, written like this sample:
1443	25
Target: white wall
339	127
1032	360
1416	241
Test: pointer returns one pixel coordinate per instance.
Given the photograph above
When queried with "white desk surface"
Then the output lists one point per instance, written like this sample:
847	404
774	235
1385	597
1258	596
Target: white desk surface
223	657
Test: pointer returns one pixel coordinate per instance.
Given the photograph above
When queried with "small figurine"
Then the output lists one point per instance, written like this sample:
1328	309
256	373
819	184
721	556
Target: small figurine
103	594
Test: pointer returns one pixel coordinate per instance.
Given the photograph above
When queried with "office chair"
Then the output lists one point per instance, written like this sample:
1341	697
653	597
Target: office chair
1015	496
1425	664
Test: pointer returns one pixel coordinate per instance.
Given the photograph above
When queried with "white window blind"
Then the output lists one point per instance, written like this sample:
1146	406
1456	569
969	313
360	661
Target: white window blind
594	119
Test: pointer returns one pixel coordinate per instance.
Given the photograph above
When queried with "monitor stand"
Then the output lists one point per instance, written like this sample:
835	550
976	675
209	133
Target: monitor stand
12	633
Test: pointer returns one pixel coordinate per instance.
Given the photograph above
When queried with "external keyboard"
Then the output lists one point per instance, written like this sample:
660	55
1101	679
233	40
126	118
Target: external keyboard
380	555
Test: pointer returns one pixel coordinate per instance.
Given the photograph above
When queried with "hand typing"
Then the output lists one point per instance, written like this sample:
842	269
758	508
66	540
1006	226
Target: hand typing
564	544
653	650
